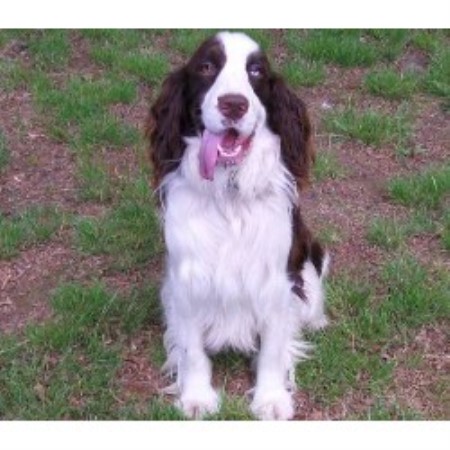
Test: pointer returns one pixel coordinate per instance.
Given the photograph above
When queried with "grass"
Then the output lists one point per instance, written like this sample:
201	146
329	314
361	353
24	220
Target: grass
391	234
427	192
79	110
327	166
50	48
147	66
13	75
34	225
390	84
446	231
386	233
4	153
437	79
94	182
350	353
383	410
389	42
151	67
426	189
299	72
342	47
371	127
130	232
65	369
186	41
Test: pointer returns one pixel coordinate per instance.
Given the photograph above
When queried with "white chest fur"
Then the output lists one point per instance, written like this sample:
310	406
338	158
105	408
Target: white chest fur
228	241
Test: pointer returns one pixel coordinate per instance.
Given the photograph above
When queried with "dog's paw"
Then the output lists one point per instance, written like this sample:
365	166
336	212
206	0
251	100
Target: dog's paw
273	405
196	404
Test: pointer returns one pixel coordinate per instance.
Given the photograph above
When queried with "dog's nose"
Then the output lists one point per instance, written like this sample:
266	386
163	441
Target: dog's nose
233	106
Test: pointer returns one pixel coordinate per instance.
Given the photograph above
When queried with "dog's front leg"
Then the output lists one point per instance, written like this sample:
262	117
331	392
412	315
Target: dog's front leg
272	400
197	396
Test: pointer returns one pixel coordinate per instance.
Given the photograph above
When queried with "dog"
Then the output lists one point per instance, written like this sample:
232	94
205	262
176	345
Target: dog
231	146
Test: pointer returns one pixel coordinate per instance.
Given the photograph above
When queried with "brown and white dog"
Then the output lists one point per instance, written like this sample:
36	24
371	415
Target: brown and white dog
231	146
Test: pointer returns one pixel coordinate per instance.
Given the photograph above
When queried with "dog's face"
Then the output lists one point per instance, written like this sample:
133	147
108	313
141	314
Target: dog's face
224	94
227	75
231	64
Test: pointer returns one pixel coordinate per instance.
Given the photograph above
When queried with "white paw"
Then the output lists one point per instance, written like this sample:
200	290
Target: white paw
273	405
196	403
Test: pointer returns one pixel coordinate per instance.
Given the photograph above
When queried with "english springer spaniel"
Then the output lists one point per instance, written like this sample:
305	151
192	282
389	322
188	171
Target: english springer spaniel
231	146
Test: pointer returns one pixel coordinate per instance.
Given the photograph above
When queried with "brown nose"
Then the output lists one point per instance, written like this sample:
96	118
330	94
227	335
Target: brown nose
233	106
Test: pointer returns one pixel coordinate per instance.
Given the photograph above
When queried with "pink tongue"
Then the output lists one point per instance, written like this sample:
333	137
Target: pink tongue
209	154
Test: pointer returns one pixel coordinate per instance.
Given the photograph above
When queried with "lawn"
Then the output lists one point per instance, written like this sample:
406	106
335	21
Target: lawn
81	251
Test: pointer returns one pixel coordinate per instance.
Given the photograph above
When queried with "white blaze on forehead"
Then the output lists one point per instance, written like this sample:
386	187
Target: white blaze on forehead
233	78
237	46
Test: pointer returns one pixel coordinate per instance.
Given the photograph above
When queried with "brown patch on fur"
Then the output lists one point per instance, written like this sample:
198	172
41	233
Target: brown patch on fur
176	112
289	119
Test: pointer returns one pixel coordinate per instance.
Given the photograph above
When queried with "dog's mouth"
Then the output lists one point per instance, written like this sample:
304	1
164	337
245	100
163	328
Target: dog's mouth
228	148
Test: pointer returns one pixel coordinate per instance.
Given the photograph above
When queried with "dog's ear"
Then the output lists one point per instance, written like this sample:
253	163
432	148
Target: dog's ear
164	126
289	119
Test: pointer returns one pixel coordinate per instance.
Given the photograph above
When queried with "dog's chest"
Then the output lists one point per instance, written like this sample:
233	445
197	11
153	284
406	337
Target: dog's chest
228	242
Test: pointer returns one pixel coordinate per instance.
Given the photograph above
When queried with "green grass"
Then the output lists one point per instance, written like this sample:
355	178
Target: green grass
65	369
94	181
426	189
392	85
83	98
106	130
4	152
427	40
383	410
147	66
13	75
150	67
129	232
437	80
389	42
299	72
330	234
327	166
367	323
386	233
79	111
186	41
120	39
446	231
342	47
371	127
50	48
408	303
232	408
34	225
392	233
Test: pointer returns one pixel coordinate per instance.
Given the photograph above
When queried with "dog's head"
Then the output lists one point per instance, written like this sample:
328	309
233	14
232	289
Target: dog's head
225	93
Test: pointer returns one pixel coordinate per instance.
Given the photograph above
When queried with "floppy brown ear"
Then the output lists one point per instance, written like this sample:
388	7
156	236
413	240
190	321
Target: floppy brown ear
164	126
289	119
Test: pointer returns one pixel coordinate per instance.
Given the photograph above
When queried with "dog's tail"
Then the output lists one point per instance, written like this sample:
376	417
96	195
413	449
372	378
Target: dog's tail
314	270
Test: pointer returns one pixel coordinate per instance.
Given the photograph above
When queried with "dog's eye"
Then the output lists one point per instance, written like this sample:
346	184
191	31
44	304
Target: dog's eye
207	69
255	70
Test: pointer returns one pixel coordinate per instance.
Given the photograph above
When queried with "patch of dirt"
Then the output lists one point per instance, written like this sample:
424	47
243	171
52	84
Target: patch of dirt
423	385
138	378
27	281
40	170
